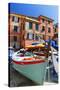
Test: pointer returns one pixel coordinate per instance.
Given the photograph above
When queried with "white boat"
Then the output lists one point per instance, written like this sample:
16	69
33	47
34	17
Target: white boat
54	54
30	66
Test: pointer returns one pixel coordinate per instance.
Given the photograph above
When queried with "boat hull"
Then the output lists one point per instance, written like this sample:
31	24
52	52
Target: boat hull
35	72
55	59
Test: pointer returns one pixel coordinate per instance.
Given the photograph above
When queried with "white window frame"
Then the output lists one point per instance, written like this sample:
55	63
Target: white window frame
16	19
30	35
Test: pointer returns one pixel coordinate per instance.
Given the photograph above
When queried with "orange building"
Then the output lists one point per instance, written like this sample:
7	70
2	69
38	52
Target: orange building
24	30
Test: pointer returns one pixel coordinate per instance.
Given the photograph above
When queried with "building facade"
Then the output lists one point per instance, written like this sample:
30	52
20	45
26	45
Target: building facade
24	30
55	28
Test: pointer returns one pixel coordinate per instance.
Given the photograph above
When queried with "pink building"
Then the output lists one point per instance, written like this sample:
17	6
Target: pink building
46	27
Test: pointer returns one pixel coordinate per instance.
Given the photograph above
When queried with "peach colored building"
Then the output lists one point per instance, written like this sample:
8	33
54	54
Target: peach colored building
24	30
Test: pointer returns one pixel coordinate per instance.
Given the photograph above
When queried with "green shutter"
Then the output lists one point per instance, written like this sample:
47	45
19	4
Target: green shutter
30	25
36	26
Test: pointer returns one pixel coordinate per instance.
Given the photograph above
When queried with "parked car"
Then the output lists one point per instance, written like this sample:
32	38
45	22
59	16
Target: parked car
10	53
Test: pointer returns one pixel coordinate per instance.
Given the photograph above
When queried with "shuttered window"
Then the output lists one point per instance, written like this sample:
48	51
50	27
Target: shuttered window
43	29
30	36
49	29
15	19
16	28
36	27
30	25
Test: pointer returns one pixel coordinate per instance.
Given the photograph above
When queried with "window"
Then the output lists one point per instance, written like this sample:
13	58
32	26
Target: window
43	28
48	22
55	29
29	36
15	38
36	26
15	28
15	19
30	25
36	37
26	25
43	20
49	30
33	36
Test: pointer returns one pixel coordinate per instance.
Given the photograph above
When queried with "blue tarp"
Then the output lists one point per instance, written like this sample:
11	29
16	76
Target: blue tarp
53	43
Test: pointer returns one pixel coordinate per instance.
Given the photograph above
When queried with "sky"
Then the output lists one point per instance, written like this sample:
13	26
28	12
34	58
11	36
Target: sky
35	10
